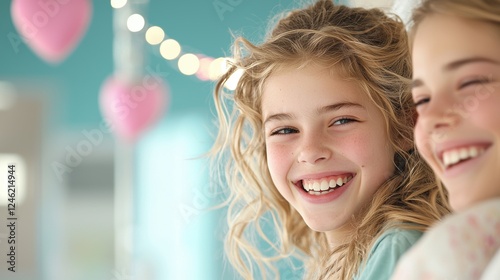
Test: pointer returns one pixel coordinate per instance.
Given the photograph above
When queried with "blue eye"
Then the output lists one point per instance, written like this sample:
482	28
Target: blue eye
343	121
286	130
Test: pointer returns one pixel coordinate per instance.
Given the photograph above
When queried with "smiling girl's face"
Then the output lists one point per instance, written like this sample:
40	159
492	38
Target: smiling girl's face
456	89
327	146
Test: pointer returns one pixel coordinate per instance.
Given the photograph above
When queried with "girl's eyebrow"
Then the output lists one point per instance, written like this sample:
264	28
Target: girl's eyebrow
277	117
337	106
476	59
321	110
457	64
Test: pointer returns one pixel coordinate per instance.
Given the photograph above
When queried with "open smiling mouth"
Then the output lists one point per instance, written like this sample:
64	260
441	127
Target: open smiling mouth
453	157
324	185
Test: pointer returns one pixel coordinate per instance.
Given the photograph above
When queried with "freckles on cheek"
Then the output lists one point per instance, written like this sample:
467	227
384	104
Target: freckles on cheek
357	149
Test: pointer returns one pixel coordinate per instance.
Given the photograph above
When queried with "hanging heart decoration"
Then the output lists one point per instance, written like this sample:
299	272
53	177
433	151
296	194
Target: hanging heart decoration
131	108
51	28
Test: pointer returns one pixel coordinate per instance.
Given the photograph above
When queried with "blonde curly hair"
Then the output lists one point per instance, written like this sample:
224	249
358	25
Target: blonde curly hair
367	46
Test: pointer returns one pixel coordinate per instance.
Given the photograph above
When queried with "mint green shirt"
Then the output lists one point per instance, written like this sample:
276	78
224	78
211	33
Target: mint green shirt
385	253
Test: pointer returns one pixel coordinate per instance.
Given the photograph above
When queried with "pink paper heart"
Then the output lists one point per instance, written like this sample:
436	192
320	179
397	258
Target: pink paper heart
51	28
131	108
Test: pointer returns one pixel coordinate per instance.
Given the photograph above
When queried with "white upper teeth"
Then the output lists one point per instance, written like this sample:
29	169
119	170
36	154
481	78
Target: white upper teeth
453	156
324	184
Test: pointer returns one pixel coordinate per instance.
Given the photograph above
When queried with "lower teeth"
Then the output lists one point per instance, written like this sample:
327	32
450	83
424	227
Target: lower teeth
321	192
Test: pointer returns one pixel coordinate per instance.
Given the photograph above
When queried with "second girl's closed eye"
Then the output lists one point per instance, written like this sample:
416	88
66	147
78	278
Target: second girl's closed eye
422	101
474	81
466	84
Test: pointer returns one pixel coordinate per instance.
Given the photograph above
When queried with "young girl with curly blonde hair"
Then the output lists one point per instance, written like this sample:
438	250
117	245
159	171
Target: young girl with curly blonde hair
316	140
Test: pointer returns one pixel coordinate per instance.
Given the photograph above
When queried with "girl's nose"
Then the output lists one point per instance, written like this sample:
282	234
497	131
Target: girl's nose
442	113
313	150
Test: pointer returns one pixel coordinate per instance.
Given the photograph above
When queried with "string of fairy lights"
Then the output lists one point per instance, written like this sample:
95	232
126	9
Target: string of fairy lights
205	68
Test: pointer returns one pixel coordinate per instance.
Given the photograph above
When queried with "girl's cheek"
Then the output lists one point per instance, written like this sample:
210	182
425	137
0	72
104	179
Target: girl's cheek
423	142
276	159
486	113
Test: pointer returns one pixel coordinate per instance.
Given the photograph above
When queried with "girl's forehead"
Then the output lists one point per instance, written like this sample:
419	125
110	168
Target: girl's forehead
442	40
